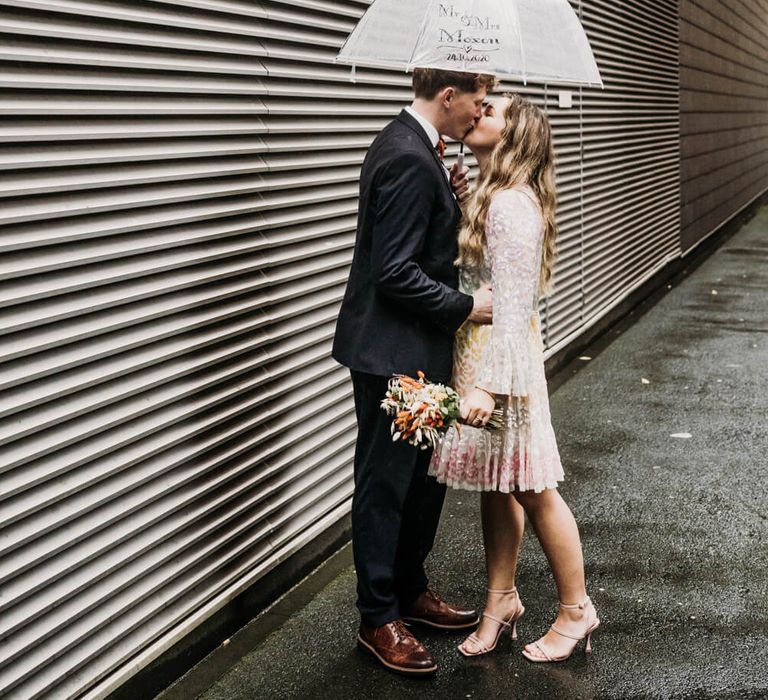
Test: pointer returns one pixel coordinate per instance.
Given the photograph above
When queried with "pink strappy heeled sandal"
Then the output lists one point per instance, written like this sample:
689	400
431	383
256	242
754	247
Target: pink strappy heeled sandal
510	623
592	625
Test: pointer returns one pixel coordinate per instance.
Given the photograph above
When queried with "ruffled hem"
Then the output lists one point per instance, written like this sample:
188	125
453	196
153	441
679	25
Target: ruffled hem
506	460
464	486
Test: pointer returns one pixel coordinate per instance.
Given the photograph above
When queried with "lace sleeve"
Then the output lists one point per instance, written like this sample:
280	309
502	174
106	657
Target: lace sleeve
514	239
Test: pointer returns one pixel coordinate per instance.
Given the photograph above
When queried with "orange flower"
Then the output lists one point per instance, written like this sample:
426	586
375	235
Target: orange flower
409	383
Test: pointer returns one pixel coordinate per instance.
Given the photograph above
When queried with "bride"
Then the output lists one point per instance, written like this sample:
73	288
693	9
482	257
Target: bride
508	241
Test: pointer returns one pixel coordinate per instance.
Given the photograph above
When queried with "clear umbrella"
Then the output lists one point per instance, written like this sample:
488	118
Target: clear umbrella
532	40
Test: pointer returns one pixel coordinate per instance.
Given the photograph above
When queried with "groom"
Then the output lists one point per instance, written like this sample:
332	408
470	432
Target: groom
399	314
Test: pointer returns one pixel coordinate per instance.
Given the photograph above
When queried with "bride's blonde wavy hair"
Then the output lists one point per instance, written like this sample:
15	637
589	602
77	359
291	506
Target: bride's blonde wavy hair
525	155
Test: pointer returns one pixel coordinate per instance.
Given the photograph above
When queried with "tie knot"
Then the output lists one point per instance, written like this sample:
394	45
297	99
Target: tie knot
440	148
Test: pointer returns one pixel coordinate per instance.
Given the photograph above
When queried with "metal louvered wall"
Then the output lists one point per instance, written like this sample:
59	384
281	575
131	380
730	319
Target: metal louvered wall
618	153
179	200
171	423
724	111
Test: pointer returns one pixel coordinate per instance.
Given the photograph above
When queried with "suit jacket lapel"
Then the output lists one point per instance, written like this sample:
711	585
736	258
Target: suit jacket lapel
412	124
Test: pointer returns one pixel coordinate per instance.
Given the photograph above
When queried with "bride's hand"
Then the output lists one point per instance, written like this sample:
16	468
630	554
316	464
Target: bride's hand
476	407
460	184
482	305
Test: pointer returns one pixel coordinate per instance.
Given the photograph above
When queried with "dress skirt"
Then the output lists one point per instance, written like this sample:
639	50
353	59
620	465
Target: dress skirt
523	454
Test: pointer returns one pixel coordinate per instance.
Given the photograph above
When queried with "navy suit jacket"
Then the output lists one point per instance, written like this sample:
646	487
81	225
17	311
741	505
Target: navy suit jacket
401	307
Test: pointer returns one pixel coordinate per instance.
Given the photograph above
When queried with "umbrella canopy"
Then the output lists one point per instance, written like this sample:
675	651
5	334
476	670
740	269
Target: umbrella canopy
537	40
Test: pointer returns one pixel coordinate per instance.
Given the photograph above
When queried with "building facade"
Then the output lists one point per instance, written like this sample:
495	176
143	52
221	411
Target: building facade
179	205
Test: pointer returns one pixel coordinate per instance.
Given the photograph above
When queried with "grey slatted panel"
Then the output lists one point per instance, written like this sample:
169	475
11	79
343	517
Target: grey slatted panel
724	93
631	160
617	165
171	424
560	310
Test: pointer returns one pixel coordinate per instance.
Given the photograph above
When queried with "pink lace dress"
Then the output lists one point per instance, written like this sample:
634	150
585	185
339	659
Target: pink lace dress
507	359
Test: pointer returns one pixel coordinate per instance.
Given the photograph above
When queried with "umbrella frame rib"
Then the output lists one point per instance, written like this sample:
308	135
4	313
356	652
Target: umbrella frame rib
382	65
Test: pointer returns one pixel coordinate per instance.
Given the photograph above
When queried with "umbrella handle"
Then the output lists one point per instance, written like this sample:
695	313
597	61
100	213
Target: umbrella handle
460	161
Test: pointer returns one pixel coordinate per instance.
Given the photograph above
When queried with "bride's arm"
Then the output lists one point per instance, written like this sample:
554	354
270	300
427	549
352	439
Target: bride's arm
513	227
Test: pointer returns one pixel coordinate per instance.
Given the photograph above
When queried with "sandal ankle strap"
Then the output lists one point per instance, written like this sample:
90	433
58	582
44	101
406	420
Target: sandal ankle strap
496	590
580	606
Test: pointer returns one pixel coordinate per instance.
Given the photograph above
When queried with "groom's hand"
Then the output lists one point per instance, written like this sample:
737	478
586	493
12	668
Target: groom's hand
482	310
460	183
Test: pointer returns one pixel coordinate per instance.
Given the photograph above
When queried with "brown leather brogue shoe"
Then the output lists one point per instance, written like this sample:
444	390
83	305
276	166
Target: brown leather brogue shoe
431	610
395	647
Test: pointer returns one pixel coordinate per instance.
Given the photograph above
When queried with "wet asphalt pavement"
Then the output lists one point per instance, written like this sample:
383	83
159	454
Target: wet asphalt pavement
675	530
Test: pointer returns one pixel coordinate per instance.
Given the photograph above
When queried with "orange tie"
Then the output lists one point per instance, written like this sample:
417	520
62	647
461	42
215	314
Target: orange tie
440	148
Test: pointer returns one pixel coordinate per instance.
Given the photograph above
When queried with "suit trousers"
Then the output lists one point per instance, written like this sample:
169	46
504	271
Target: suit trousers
395	509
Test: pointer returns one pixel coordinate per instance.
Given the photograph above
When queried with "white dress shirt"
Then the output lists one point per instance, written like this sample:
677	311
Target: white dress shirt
427	125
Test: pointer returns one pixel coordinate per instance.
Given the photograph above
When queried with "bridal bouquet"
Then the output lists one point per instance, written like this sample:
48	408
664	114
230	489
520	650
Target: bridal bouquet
423	411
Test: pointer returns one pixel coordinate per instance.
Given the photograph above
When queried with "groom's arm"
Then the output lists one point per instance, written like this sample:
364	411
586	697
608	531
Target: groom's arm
405	197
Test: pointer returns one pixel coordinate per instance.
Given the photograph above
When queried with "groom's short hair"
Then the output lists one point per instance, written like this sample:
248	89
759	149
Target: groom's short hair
427	82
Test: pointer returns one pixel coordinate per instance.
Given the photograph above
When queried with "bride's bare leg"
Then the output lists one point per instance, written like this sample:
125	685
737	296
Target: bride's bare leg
503	523
556	529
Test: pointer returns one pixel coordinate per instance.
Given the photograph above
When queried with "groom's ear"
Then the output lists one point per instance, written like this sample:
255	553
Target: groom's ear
447	96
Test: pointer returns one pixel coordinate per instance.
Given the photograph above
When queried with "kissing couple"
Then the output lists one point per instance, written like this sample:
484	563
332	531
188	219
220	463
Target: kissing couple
447	282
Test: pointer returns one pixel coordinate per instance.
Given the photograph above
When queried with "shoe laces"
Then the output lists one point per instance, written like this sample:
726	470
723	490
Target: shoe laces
403	633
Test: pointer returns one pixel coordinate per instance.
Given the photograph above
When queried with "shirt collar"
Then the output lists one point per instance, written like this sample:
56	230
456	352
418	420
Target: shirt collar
432	133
